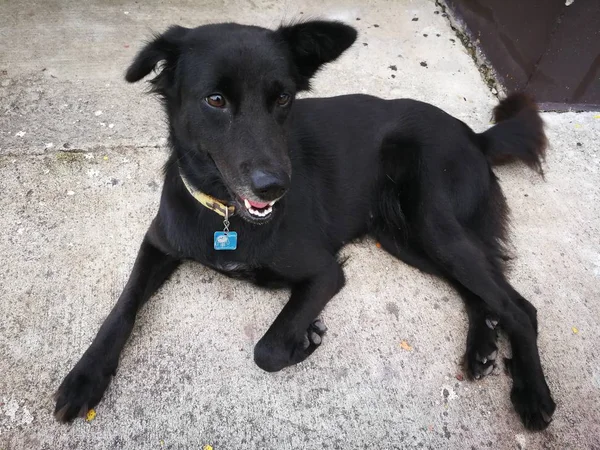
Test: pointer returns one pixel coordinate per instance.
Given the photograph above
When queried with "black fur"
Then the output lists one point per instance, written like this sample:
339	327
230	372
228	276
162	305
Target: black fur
403	171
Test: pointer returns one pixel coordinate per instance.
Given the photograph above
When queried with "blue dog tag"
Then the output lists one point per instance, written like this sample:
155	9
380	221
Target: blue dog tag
225	240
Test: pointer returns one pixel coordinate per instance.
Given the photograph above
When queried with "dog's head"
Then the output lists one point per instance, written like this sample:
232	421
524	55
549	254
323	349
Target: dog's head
228	90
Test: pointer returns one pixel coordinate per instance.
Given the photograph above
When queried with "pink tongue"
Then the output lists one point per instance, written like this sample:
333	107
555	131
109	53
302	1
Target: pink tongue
258	205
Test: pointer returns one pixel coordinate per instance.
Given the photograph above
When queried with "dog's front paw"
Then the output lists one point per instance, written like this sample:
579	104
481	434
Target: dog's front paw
81	390
273	354
532	400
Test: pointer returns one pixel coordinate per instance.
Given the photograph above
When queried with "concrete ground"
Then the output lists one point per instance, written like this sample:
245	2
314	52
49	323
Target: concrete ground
80	159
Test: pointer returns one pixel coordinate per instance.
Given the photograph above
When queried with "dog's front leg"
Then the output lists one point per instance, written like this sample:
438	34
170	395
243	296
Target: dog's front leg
295	334
84	386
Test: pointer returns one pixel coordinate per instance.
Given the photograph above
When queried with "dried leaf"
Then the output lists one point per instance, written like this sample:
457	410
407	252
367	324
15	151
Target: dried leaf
377	244
405	346
91	415
575	330
207	447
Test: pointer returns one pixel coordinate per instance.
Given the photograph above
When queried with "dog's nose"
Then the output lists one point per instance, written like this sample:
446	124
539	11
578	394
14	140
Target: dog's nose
269	185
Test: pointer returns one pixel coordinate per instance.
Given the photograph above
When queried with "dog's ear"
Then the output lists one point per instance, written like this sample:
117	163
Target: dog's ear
315	43
164	47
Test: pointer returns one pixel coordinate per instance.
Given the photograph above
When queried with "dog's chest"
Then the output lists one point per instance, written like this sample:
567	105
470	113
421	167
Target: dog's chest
231	267
261	276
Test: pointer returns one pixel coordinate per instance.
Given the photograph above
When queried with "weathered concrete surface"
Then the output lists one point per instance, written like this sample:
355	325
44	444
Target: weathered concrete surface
71	224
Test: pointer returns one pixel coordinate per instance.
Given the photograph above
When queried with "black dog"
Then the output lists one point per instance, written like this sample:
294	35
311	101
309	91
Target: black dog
297	179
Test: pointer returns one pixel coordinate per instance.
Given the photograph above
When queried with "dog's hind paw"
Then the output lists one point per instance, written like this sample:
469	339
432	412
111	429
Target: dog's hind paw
478	366
481	354
531	398
535	409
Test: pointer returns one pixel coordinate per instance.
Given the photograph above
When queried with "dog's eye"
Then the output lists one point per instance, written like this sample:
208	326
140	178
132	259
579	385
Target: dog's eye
283	99
216	100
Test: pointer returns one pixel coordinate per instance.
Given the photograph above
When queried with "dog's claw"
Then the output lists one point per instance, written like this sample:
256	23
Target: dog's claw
547	418
305	342
315	338
491	323
482	360
489	369
319	326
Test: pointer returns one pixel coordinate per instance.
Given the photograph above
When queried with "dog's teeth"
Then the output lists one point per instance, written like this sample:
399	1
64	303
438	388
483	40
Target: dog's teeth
263	213
247	205
272	203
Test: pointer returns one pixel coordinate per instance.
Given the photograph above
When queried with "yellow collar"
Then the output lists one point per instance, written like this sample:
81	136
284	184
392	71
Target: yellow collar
207	201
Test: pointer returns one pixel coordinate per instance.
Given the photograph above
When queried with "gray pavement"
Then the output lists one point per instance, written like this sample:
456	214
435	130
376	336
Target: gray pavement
80	159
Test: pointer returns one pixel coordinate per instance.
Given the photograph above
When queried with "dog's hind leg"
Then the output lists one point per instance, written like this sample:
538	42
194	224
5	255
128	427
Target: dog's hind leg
85	384
407	252
481	350
466	263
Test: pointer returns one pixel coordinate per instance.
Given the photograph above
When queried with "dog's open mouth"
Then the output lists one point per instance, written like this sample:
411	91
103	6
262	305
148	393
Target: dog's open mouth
259	209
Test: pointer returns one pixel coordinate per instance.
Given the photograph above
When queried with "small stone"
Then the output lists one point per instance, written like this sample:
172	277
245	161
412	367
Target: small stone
20	134
126	12
111	125
6	83
98	113
393	67
49	145
415	19
375	25
70	193
425	35
423	64
494	91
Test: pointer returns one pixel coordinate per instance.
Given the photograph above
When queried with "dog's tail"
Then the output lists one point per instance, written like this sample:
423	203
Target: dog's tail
517	135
